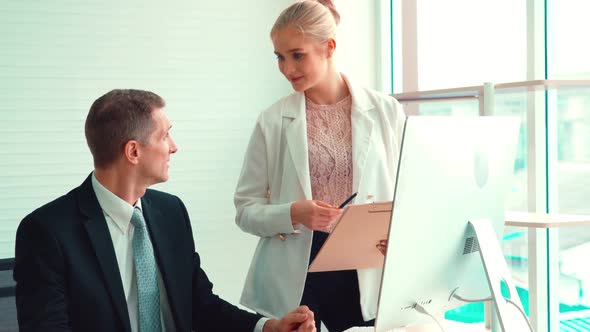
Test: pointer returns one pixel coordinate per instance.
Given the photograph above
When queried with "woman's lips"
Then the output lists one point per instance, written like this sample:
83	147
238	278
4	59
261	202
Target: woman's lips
296	79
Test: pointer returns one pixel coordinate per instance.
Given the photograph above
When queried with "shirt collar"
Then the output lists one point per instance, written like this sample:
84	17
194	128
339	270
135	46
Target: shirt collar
113	206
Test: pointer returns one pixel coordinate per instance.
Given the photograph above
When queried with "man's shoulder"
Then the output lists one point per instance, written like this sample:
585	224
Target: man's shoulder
161	197
62	205
58	214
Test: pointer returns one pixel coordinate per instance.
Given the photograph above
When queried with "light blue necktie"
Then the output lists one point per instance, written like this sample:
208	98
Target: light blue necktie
148	294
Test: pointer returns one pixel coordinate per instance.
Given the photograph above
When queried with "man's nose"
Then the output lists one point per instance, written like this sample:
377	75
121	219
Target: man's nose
173	146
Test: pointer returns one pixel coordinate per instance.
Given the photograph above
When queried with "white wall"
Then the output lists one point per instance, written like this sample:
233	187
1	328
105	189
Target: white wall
212	61
358	42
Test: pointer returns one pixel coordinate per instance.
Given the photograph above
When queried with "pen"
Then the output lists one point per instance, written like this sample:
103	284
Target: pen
348	200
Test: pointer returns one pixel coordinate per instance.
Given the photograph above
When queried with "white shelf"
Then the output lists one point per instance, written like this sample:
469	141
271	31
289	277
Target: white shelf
475	92
543	220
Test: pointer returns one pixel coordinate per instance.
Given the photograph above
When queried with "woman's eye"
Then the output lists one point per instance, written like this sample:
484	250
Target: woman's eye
298	55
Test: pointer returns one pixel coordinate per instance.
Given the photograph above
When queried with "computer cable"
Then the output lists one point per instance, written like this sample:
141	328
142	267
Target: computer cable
490	299
423	310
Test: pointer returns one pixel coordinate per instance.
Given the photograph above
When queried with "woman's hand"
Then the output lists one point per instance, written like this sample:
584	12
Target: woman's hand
315	215
382	246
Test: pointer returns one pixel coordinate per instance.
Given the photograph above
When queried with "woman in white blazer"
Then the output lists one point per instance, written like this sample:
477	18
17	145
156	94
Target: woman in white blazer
275	199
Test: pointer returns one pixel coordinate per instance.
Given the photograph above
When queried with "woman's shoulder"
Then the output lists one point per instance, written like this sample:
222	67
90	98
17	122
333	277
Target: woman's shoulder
285	105
377	96
384	102
369	95
384	105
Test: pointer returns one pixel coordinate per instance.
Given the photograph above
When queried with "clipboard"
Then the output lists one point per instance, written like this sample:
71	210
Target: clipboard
352	243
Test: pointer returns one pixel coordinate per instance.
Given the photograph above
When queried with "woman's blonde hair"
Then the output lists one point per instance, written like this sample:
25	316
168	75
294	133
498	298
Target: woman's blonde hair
316	18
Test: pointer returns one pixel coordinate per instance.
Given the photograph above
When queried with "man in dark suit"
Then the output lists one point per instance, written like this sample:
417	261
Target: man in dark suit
112	255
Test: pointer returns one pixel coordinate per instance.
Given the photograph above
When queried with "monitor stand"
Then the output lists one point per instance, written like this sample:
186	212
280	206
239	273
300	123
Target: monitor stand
508	309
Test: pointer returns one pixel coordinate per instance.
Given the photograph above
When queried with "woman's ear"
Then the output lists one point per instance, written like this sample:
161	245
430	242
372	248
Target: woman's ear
331	47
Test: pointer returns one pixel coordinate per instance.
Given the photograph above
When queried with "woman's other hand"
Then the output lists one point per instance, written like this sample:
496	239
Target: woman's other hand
315	215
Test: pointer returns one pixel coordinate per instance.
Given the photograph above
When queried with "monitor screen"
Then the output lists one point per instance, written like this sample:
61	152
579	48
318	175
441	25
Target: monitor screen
452	170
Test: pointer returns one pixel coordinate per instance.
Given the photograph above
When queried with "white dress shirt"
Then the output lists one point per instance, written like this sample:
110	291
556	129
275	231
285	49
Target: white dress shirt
118	214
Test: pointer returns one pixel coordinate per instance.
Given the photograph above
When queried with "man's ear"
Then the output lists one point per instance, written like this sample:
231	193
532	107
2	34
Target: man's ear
132	152
331	47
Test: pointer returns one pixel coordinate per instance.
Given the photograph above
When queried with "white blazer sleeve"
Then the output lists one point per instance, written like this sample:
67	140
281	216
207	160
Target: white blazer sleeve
254	213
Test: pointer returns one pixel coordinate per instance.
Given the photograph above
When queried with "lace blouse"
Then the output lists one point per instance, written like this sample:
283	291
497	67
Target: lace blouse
329	141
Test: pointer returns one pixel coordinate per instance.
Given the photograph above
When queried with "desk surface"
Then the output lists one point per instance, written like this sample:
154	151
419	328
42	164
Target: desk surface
450	326
543	220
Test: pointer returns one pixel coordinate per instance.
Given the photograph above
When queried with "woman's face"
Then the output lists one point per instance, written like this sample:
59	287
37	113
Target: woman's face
303	61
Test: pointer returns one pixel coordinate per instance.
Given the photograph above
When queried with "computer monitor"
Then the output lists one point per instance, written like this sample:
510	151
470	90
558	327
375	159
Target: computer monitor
452	170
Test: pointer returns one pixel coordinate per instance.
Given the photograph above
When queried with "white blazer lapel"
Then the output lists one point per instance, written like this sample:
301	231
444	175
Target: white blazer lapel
296	135
362	130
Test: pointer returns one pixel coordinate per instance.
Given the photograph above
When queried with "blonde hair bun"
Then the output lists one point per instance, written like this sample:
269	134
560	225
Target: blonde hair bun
315	18
330	5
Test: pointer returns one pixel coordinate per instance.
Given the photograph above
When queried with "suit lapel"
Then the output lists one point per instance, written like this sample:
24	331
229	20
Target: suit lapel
101	241
296	136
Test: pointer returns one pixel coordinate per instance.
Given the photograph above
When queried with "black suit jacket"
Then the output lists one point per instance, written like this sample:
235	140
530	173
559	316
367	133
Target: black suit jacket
68	278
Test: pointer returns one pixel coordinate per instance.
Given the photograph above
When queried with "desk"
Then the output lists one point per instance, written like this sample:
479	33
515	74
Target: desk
449	325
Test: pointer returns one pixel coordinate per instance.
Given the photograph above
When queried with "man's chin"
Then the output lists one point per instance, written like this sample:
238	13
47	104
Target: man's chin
157	180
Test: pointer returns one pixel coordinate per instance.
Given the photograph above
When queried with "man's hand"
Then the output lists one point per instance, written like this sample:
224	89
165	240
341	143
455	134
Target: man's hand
299	320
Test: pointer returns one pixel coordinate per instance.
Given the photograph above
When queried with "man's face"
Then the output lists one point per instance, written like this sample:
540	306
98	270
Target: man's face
155	155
